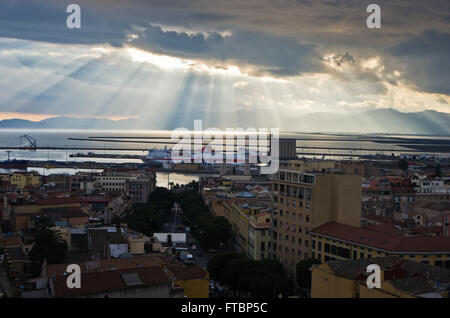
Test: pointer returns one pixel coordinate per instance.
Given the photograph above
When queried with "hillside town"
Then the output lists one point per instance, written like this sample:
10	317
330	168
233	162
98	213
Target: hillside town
309	230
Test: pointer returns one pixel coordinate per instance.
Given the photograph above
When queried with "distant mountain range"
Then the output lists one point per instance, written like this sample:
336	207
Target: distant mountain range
374	121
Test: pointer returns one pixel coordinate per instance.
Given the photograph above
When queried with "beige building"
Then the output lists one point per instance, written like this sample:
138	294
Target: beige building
250	224
399	279
139	188
259	236
307	194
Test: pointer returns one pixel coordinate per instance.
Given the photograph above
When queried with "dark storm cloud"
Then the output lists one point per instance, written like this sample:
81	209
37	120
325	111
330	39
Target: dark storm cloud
282	38
271	54
180	42
427	60
41	20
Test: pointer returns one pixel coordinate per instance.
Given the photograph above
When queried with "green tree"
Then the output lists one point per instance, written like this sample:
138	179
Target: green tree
265	278
43	222
49	245
403	164
438	171
146	219
217	263
303	271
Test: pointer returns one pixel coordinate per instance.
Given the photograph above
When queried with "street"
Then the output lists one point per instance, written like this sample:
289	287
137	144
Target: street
176	225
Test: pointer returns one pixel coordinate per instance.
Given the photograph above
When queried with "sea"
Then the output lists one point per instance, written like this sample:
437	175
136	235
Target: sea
138	143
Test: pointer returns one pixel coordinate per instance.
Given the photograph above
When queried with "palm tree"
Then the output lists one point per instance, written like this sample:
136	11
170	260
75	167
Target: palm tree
49	245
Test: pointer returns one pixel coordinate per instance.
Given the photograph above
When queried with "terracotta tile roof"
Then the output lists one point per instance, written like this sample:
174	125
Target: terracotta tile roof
57	201
96	282
383	228
405	275
187	272
97	200
105	265
384	241
424	244
381	219
8	241
64	212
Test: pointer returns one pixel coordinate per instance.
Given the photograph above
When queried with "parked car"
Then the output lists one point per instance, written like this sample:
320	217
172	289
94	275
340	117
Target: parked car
187	258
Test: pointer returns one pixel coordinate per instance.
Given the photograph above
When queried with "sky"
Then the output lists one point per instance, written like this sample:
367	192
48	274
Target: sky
156	59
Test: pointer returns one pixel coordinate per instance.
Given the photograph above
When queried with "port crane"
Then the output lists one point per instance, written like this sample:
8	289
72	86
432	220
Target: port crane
30	140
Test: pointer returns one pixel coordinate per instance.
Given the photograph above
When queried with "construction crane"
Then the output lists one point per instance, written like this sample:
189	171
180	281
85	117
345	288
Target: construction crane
30	140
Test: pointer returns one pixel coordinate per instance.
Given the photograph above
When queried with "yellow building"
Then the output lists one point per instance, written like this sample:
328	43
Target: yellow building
307	194
334	241
193	279
22	179
250	224
236	215
259	236
399	279
22	215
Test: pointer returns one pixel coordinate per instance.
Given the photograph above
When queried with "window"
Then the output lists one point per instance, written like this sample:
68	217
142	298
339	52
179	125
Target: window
333	249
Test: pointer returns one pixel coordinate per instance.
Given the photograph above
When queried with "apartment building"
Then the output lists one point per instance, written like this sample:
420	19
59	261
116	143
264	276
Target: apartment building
400	278
333	241
139	188
259	236
305	195
24	179
137	184
113	182
250	224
